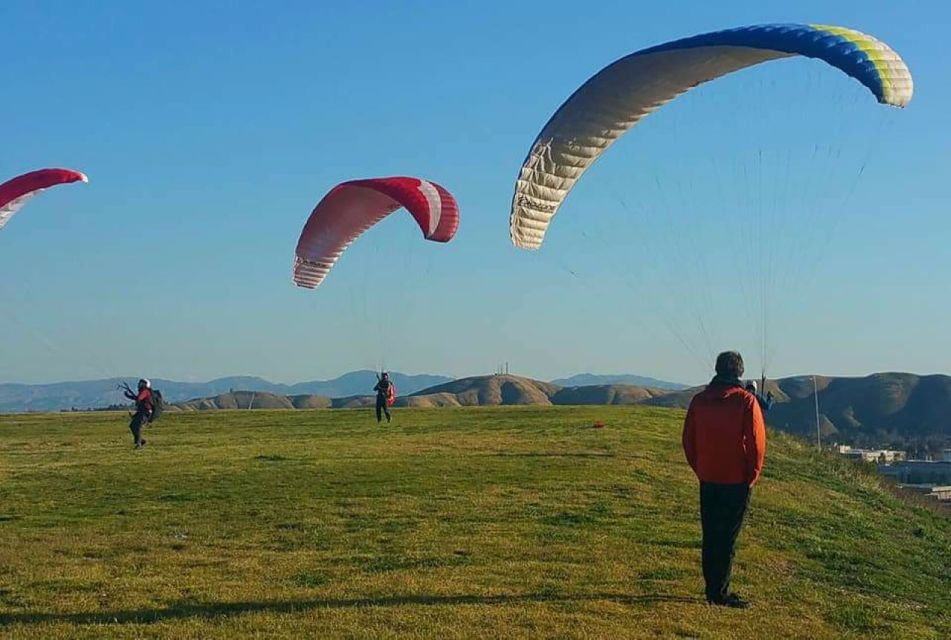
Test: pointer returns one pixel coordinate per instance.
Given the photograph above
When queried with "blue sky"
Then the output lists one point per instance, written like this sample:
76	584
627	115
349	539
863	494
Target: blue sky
209	130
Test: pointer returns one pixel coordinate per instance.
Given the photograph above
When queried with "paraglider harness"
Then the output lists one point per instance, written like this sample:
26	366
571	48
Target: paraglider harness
157	401
765	402
390	389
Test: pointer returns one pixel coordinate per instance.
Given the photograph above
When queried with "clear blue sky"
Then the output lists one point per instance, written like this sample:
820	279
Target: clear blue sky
210	129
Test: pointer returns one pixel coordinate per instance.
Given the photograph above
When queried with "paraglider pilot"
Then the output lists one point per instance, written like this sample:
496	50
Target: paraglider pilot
724	440
765	402
143	409
382	389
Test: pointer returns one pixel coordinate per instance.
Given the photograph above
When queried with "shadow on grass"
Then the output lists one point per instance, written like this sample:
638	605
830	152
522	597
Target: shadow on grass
186	610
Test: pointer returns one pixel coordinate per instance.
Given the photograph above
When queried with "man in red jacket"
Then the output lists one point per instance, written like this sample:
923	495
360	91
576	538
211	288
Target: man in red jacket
724	440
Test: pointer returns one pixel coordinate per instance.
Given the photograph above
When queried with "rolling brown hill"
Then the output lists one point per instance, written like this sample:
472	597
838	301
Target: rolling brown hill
606	394
310	401
465	392
878	408
251	400
783	390
427	401
674	399
491	390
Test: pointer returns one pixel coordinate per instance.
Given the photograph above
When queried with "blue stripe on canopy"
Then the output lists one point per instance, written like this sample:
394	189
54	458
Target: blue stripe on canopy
799	39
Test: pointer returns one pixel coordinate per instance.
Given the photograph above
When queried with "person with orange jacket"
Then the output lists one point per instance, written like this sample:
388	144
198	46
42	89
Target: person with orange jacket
724	440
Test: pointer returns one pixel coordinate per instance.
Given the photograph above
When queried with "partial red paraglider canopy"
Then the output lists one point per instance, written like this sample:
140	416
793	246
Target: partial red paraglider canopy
14	193
352	207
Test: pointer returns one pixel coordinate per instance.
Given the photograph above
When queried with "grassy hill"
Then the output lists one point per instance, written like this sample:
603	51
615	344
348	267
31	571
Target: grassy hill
494	522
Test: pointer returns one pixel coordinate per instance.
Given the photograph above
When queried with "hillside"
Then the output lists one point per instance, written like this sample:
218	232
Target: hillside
309	401
493	390
507	522
253	400
598	380
606	394
783	390
465	392
674	399
359	382
878	408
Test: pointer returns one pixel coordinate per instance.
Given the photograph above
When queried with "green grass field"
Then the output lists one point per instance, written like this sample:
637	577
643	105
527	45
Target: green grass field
493	522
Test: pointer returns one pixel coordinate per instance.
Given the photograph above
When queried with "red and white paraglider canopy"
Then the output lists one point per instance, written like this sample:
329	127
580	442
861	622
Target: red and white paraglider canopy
352	207
14	193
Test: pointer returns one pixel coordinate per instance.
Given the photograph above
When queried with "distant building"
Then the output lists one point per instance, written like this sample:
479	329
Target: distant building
943	494
940	494
946	455
881	456
920	472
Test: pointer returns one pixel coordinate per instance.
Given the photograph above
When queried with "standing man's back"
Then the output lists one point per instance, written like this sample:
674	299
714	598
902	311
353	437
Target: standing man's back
724	440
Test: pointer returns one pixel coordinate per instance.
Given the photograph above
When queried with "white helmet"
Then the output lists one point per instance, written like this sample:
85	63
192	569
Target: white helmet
146	383
751	386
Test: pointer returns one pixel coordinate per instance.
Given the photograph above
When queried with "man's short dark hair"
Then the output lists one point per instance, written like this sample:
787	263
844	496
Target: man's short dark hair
730	363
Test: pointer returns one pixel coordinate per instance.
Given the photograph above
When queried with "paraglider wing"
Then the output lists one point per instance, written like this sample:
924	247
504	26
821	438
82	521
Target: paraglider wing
14	193
352	207
617	97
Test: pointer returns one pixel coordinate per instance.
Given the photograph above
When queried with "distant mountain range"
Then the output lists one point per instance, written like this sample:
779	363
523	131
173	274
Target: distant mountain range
92	394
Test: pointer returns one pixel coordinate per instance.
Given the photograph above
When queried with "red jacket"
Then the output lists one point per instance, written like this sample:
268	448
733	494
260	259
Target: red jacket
724	436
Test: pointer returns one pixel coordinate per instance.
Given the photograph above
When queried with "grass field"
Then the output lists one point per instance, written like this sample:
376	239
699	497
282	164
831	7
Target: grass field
494	522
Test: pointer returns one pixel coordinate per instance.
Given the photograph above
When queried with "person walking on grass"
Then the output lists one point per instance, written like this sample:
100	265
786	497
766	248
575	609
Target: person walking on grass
143	409
385	394
724	440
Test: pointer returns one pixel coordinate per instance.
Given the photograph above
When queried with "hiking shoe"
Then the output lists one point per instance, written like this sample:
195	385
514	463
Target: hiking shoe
733	601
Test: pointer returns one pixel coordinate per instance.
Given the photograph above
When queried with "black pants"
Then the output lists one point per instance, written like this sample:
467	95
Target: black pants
139	420
722	508
381	408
